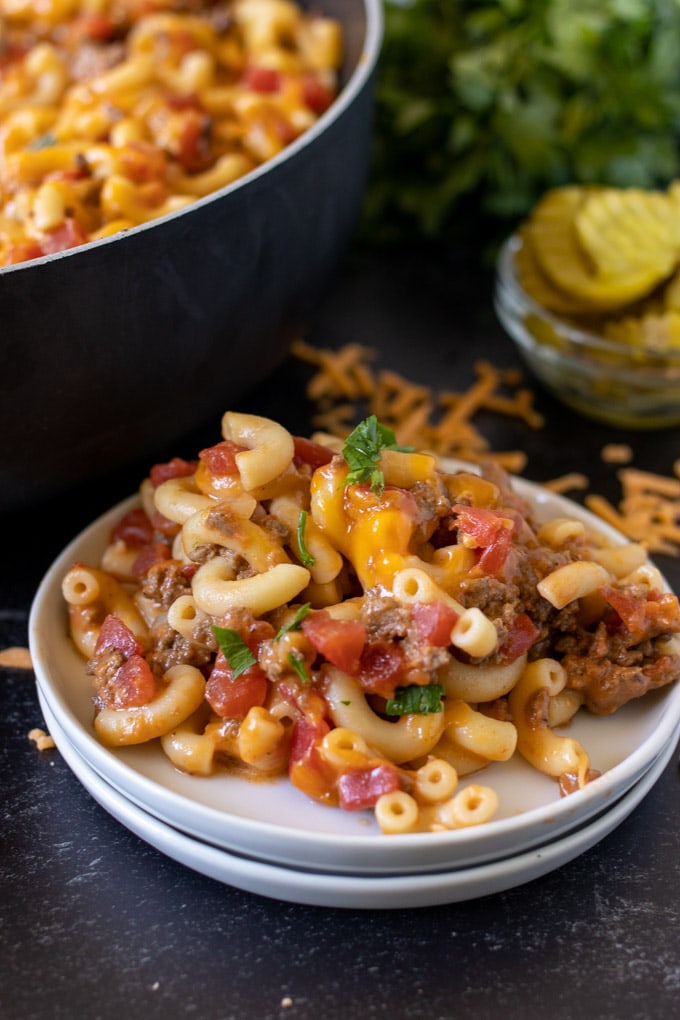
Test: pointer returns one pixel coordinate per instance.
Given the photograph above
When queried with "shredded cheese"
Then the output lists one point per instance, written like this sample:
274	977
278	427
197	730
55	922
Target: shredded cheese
573	480
649	509
43	741
442	423
346	386
16	658
616	453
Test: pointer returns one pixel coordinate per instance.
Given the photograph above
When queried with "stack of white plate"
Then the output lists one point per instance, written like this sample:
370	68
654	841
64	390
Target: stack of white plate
268	838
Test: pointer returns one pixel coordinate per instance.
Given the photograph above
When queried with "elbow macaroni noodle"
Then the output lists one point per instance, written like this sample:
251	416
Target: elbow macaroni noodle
117	112
376	643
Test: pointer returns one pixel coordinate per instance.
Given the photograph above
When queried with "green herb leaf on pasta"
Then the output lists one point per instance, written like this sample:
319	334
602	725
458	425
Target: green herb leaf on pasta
416	700
294	624
362	451
306	558
298	664
234	649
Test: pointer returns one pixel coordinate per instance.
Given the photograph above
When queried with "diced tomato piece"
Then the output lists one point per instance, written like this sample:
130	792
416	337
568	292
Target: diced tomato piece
339	641
134	528
193	145
307	734
629	610
116	636
317	96
255	633
68	234
188	570
183	102
232	697
361	788
262	79
150	555
178	41
491	530
434	622
309	452
519	640
95	26
134	684
175	468
22	251
73	173
164	525
221	458
646	616
381	668
307	769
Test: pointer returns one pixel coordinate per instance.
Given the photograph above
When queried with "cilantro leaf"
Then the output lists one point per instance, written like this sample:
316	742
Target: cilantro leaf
416	699
234	649
362	451
295	622
43	142
306	558
298	664
481	106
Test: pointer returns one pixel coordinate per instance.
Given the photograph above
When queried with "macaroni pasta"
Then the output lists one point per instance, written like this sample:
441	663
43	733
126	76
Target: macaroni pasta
364	622
116	112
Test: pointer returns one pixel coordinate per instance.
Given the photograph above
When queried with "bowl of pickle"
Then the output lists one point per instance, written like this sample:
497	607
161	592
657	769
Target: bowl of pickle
588	287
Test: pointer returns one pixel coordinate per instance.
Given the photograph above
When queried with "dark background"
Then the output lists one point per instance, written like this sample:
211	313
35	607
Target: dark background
96	924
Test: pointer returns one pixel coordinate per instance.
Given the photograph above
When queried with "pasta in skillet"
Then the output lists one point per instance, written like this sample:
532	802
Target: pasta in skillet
368	624
116	112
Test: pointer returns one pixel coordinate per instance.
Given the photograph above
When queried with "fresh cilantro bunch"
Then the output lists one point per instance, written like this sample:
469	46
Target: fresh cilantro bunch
481	105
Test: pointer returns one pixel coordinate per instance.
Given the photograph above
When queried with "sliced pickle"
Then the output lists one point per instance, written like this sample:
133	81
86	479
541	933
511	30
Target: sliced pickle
657	333
539	286
624	231
551	232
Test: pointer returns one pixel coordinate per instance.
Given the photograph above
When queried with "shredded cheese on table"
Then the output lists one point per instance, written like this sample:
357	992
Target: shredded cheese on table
442	423
346	385
16	658
649	510
43	741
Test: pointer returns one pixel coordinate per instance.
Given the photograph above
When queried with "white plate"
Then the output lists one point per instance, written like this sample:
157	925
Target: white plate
374	892
277	823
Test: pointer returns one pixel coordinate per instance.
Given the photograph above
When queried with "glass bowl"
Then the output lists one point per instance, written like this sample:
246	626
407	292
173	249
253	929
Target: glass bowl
613	382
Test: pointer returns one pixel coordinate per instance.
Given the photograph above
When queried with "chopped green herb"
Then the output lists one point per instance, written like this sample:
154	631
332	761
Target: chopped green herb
43	142
234	649
294	624
418	700
481	106
306	558
362	451
298	665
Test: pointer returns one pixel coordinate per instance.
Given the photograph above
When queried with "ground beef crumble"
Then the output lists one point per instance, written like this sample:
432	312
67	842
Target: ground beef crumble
167	648
164	582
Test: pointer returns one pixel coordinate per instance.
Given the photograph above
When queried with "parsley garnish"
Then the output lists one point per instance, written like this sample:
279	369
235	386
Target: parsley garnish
294	624
306	558
43	142
234	649
362	451
298	664
416	699
480	107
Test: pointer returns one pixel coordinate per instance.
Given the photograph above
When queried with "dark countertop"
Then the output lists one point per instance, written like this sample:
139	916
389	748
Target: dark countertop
95	923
